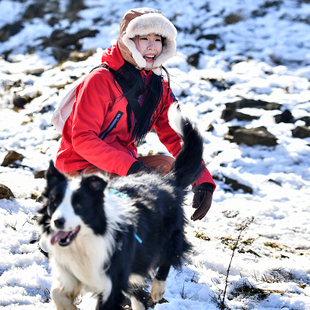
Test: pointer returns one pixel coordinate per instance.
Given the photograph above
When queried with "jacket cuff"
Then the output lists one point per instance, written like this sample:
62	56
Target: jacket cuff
134	167
204	187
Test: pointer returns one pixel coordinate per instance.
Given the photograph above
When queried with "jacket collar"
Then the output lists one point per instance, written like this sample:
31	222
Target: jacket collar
112	57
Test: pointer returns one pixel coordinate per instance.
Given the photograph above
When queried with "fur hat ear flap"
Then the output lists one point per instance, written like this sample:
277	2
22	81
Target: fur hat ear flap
135	23
135	54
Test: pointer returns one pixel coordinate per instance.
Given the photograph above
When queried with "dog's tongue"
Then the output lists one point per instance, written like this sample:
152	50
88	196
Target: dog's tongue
59	235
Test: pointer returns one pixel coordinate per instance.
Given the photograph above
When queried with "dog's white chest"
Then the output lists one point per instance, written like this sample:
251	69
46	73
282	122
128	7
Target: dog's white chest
82	264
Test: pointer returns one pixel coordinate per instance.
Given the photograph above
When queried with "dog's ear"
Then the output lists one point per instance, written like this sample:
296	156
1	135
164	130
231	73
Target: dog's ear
53	176
96	183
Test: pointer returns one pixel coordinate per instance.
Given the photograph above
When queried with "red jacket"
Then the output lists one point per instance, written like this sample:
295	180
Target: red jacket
96	132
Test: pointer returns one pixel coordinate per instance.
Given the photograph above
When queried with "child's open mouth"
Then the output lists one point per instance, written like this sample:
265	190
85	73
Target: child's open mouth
149	58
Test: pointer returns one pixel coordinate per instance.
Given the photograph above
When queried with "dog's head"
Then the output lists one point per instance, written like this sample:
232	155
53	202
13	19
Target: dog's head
70	205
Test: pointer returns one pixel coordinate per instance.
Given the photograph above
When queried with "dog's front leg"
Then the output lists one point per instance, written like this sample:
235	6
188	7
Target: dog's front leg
136	304
159	283
62	299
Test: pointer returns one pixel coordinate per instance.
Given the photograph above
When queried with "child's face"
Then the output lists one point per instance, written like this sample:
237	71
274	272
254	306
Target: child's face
150	47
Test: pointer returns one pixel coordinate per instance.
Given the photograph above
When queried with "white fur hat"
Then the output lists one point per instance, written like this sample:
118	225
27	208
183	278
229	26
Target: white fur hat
144	21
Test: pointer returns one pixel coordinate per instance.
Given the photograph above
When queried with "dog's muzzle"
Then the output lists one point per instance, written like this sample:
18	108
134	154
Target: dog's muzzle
64	238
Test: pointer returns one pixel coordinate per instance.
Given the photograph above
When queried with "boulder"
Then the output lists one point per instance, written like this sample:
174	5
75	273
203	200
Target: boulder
285	117
234	184
35	10
252	136
219	84
9	30
60	38
212	37
301	132
229	114
62	42
305	119
19	102
11	157
5	192
40	174
251	103
73	9
193	60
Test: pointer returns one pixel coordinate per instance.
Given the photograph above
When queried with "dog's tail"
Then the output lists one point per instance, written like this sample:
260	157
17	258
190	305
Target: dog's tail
189	162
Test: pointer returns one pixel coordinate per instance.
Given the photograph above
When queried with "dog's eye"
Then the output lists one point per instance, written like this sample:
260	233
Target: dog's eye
78	206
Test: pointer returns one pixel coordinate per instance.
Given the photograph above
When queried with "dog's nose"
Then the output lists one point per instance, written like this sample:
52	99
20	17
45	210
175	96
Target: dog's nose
59	223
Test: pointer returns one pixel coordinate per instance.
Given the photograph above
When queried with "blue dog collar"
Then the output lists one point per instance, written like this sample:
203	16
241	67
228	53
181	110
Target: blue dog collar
118	193
138	238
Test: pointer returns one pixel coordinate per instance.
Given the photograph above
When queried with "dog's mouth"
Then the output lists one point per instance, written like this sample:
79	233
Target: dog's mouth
64	238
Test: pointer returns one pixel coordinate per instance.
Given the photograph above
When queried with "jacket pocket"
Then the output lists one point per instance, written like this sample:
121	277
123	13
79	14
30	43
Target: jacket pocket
112	125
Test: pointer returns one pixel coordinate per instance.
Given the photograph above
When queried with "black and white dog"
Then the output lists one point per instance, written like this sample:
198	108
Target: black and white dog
108	236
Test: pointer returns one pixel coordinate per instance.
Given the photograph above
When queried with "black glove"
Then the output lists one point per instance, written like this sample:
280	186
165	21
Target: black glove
144	169
137	167
202	200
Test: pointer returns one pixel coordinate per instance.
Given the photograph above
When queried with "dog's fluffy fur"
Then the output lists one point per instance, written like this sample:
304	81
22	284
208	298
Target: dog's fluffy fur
109	236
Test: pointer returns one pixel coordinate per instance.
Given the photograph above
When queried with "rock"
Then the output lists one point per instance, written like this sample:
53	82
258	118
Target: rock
11	157
53	21
229	114
275	182
285	117
5	55
193	59
251	103
235	185
19	102
219	84
36	72
233	18
301	132
10	30
62	39
73	8
62	42
61	54
253	136
35	10
40	174
210	128
212	37
211	46
232	129
80	56
46	109
305	119
5	192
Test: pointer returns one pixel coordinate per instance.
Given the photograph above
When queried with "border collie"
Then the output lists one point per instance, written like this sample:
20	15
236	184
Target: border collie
109	236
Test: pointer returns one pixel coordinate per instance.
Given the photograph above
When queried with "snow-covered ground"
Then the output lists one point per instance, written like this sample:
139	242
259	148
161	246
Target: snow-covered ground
266	55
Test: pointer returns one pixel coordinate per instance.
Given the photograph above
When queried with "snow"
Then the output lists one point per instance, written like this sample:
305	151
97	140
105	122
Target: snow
266	57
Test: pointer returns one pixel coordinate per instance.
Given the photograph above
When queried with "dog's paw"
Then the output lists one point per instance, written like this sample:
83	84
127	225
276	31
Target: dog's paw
66	305
62	300
158	289
136	304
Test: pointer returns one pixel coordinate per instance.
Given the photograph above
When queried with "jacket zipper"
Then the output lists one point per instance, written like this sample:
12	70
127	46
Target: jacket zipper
112	125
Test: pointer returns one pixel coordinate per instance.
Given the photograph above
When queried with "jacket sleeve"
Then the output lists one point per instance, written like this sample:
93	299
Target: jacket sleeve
92	103
172	141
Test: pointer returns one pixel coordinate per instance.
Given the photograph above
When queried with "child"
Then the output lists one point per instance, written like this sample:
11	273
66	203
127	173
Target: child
117	105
